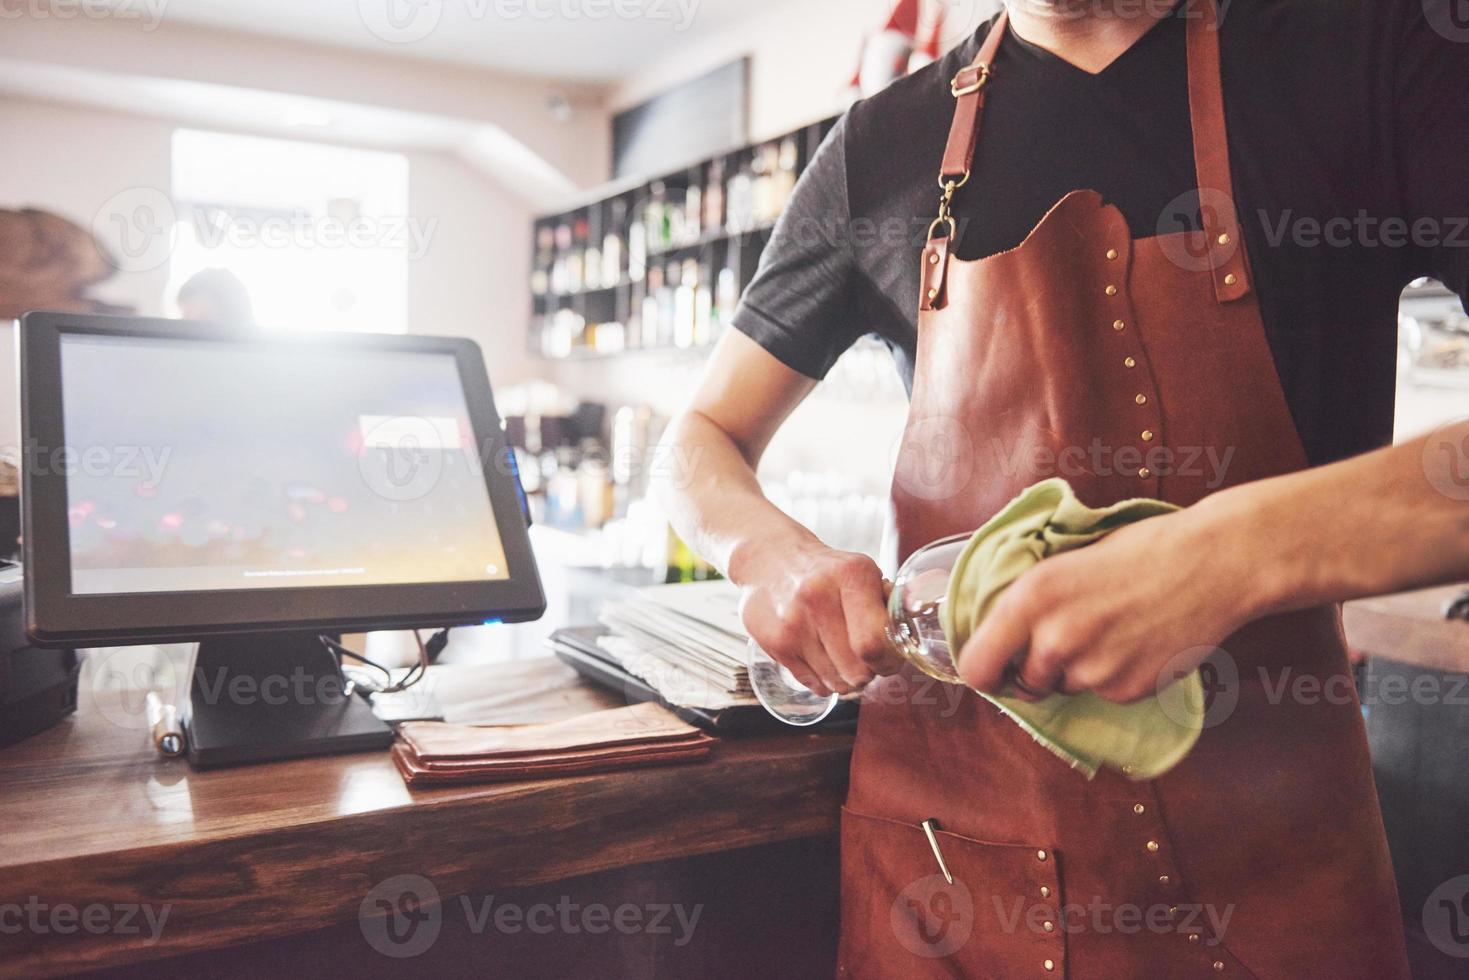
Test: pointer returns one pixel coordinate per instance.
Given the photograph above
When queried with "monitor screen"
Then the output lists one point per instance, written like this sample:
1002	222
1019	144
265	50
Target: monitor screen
206	464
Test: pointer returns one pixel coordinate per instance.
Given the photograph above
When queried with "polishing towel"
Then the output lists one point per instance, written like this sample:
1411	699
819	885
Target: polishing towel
1141	740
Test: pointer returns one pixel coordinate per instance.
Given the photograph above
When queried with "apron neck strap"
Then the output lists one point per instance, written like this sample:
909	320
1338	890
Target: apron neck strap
1226	253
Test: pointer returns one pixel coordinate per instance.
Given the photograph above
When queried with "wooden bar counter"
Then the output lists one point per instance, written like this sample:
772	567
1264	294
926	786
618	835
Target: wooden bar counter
272	867
94	822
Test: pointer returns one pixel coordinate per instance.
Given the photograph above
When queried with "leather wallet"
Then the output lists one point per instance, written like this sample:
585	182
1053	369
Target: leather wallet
434	753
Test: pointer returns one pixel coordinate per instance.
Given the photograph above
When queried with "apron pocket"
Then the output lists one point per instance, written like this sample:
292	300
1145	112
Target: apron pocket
901	916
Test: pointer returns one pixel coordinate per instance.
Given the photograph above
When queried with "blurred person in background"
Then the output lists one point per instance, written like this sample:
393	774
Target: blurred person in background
216	296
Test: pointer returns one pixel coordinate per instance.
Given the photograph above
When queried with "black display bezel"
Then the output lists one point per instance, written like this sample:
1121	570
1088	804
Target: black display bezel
55	615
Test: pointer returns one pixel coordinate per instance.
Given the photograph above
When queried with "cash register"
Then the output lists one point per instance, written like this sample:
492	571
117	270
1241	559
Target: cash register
260	493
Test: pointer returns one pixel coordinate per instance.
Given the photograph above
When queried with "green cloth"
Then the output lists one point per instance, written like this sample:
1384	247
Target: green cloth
1141	740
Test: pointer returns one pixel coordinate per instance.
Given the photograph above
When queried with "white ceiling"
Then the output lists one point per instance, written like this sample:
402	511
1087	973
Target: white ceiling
591	40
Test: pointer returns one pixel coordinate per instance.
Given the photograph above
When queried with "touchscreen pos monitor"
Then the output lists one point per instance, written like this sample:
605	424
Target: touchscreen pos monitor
254	491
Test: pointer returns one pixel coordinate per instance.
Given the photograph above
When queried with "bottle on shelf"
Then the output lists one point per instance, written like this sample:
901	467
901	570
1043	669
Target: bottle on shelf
763	191
591	276
714	197
683	304
703	305
655	218
637	251
612	245
785	175
668	305
558	264
693	214
540	277
739	201
652	299
727	296
575	258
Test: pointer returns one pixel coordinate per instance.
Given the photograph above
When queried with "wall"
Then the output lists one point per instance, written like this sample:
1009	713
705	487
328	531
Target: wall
802	57
471	280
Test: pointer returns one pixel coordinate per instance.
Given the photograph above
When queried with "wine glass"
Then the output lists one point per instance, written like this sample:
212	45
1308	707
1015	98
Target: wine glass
915	631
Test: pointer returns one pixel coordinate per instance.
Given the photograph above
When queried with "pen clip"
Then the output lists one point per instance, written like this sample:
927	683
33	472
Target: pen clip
929	826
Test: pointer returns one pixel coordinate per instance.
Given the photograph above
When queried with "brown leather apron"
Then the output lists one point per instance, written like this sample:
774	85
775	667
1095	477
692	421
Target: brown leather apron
1119	364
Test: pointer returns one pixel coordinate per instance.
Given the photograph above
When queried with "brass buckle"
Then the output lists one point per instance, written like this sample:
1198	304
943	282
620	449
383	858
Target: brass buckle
943	220
982	77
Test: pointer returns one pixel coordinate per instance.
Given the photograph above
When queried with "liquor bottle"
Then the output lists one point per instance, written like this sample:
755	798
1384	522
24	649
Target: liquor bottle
540	277
739	200
655	219
764	188
727	296
703	306
714	197
693	214
684	306
574	261
558	264
785	174
612	246
591	276
637	251
668	305
651	307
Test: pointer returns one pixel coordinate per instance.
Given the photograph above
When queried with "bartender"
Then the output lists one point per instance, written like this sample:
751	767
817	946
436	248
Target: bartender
1162	258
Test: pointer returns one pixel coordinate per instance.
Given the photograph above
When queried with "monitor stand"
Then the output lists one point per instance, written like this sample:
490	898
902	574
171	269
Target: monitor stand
257	697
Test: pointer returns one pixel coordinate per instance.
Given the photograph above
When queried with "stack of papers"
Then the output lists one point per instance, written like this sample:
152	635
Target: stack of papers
685	641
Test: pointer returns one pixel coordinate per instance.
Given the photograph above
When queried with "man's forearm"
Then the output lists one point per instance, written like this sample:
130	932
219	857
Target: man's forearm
715	502
1386	521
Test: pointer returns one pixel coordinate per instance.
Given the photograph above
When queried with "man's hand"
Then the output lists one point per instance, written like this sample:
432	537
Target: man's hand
818	612
1111	617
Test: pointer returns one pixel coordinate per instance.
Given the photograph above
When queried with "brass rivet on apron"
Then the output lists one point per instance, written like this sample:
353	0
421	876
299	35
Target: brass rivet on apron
933	294
1153	846
1231	279
1040	855
1139	809
1218	966
1119	325
1049	965
1173	911
1130	362
1193	937
933	259
1111	290
1147	435
1111	254
1144	472
1224	239
1141	399
1045	891
1049	926
1164	880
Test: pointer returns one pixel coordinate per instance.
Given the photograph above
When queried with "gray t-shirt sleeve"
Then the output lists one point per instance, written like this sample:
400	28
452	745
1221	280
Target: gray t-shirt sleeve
801	305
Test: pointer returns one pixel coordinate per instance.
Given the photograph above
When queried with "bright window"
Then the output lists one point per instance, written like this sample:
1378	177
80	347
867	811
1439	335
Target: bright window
320	235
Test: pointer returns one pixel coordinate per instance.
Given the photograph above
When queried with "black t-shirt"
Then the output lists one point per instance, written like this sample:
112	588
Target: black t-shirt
1349	139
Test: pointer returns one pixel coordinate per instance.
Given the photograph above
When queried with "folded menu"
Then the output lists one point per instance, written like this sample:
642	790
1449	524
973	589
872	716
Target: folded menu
434	753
